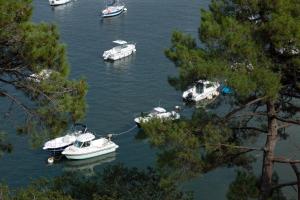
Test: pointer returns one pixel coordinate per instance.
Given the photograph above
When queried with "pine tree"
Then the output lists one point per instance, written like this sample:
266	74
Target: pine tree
253	46
34	73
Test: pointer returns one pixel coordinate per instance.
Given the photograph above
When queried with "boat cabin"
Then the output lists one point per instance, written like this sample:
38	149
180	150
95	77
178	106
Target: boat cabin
84	140
202	86
159	110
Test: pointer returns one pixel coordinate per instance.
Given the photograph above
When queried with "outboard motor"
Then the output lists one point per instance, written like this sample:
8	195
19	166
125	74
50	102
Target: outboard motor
173	113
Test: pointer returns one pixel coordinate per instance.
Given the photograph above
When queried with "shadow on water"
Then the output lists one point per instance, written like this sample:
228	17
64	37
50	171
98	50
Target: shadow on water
86	167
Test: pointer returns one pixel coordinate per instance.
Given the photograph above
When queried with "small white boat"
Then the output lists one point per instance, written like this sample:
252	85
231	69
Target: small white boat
58	2
201	90
158	113
57	145
114	8
289	51
123	50
86	146
42	75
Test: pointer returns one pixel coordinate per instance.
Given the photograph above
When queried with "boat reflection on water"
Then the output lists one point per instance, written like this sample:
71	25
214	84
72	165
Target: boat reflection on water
120	64
86	167
63	6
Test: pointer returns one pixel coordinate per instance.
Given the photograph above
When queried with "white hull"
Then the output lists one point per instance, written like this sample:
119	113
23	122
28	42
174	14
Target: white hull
165	116
119	52
91	155
58	2
95	148
112	11
209	90
157	113
208	95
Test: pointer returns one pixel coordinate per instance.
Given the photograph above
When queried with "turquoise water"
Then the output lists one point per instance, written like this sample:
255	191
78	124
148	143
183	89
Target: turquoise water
117	91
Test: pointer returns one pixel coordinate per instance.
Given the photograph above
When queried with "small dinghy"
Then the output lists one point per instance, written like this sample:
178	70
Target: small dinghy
158	113
86	146
57	145
113	8
200	91
42	75
58	2
123	50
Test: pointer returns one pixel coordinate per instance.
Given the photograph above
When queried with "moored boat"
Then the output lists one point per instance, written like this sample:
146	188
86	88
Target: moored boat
58	2
157	113
123	50
201	90
86	146
57	145
113	8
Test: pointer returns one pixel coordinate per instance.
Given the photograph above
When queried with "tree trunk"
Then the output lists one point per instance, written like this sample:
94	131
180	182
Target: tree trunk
267	168
295	168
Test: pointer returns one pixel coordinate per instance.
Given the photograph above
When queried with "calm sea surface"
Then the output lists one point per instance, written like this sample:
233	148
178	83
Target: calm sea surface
117	91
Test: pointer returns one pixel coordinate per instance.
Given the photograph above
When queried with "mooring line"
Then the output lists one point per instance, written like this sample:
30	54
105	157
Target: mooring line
129	130
116	134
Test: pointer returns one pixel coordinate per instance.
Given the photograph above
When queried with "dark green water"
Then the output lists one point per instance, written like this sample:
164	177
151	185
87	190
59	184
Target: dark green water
120	90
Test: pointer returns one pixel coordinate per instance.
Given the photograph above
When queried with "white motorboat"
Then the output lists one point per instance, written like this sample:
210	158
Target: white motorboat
123	50
158	113
86	146
201	90
113	8
58	2
57	145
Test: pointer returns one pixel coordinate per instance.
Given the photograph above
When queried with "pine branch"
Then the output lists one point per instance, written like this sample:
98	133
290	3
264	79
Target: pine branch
290	121
285	160
278	186
237	147
251	128
233	112
19	103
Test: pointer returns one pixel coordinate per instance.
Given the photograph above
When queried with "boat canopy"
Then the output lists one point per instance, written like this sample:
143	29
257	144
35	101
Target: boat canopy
85	137
120	42
160	109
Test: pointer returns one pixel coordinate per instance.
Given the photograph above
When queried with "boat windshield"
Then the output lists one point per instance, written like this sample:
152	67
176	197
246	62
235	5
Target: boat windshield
78	144
86	144
199	88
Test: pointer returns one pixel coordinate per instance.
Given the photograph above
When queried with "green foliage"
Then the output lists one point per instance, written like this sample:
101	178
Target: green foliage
252	47
114	183
244	187
119	182
30	193
49	100
179	156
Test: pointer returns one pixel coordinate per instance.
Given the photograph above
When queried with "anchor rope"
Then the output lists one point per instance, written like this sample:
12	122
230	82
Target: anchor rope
117	134
124	132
